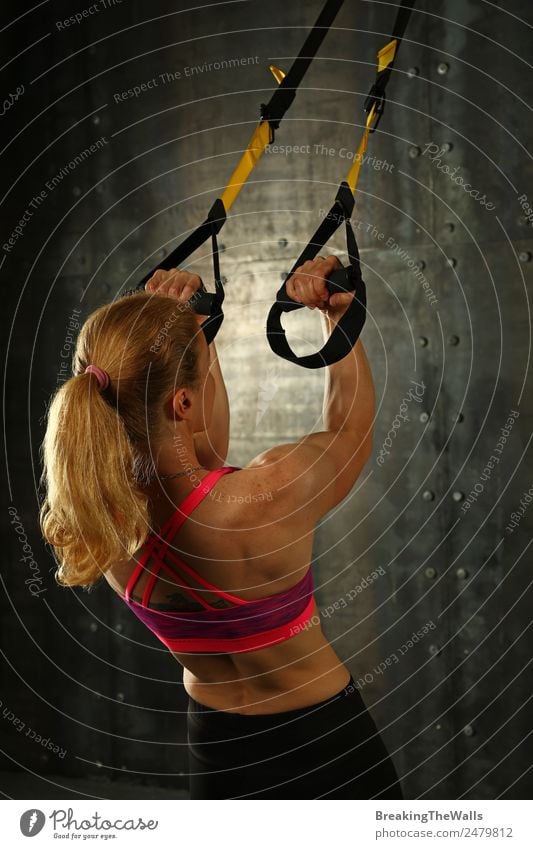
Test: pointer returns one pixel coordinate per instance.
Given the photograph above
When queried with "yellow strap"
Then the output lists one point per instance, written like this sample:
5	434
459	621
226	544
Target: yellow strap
261	136
385	57
251	156
353	174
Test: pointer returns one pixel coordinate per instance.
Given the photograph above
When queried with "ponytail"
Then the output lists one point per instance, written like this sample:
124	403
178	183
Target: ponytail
96	451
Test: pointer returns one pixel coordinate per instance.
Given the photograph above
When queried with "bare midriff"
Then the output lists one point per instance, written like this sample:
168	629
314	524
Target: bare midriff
294	674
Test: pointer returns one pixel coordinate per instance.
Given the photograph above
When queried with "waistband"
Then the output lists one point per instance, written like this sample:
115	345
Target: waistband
203	712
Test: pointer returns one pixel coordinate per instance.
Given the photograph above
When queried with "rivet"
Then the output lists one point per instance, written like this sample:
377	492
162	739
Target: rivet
449	226
468	731
424	417
430	572
119	628
76	191
98	764
525	256
458	496
451	261
446	147
224	280
461	573
427	495
282	243
120	697
443	68
434	650
438	726
100	188
459	417
422	341
284	275
414	152
96	119
420	264
465	651
412	72
221	248
453	340
93	627
162	253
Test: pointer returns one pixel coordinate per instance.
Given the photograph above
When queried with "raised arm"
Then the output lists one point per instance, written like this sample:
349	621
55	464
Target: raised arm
211	445
320	469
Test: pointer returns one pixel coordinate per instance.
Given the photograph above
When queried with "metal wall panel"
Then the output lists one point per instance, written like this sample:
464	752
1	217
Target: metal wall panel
453	706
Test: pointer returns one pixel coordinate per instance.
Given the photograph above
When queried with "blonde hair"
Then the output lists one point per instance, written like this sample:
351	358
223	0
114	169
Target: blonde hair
97	447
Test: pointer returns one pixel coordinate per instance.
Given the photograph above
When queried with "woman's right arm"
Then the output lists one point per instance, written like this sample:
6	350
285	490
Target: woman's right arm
320	469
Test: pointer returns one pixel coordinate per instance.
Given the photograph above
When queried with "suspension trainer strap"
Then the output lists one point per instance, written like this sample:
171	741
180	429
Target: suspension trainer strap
347	279
347	331
271	115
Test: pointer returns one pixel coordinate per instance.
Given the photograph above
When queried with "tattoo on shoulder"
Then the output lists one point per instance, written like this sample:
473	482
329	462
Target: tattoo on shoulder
178	603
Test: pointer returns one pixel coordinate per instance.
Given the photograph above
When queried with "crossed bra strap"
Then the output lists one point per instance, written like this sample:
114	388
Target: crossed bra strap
157	547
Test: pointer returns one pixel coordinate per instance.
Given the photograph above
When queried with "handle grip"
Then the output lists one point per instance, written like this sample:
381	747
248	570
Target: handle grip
202	302
340	281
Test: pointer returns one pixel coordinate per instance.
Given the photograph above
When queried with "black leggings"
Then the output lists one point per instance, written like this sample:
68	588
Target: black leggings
329	750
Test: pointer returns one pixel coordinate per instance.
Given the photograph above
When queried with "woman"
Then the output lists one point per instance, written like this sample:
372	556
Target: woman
216	559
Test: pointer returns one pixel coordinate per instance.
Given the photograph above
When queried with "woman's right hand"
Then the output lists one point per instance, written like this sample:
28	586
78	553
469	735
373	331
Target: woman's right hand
308	286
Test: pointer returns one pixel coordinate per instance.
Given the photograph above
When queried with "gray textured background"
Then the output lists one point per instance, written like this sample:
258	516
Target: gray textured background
79	669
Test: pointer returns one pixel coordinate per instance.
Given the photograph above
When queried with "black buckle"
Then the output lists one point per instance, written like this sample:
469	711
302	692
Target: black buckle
376	97
274	124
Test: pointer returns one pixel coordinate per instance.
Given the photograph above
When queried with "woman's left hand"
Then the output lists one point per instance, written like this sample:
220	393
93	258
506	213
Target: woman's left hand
174	284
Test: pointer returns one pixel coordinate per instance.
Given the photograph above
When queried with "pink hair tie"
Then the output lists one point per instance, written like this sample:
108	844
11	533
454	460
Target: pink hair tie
101	375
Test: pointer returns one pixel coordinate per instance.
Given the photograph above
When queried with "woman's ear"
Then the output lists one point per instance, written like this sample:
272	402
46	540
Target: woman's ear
179	405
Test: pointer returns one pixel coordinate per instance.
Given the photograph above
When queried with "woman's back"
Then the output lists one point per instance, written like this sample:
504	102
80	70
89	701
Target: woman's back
250	537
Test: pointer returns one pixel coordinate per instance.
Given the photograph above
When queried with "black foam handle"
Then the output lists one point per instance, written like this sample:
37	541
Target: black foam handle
202	302
342	280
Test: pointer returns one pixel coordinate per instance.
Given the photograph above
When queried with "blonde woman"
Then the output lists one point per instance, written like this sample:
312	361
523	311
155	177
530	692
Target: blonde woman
215	559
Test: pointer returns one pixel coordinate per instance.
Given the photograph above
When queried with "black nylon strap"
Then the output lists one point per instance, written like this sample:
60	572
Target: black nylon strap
376	95
274	111
348	329
282	98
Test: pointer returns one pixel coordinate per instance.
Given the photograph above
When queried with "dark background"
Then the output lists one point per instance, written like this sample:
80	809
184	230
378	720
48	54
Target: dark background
77	668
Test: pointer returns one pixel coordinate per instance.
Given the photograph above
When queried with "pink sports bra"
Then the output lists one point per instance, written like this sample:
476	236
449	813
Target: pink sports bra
244	626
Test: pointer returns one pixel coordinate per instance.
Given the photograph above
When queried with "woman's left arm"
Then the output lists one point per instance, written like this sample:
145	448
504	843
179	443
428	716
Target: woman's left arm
211	445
